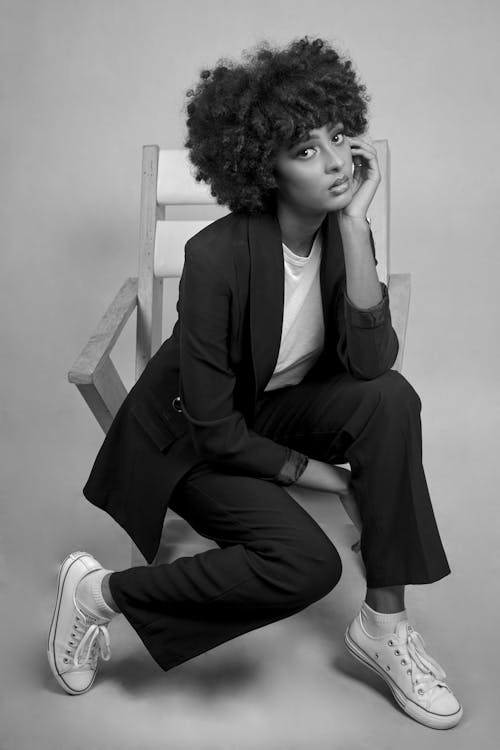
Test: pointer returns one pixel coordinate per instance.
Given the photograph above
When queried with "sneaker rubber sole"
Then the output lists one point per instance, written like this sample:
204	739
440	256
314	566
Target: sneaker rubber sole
63	572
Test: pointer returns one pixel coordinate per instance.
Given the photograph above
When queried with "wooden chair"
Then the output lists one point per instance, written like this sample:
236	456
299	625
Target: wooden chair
168	183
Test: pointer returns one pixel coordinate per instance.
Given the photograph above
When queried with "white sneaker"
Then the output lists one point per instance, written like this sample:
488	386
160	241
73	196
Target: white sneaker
76	637
415	679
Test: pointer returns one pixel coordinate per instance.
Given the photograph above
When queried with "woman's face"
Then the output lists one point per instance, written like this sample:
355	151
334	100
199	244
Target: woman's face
306	172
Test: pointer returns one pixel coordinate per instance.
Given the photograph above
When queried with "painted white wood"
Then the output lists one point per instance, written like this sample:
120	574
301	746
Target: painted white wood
379	213
399	303
176	182
171	237
101	342
149	288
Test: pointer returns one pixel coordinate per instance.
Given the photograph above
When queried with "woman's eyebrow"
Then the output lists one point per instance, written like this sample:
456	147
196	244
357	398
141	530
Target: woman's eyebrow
338	127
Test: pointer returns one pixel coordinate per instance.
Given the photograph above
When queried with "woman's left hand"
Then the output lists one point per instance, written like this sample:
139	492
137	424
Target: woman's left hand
366	177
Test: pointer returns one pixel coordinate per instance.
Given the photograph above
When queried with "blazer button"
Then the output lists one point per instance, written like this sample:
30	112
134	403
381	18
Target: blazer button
176	403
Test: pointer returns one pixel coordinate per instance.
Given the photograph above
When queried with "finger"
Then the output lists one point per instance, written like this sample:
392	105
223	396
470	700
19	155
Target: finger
359	152
364	156
355	139
361	139
364	147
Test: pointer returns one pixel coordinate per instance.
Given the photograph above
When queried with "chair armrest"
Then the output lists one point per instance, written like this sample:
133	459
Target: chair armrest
399	289
96	351
93	372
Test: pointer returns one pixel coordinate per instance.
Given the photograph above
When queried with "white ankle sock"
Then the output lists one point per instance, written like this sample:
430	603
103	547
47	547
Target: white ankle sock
89	594
380	623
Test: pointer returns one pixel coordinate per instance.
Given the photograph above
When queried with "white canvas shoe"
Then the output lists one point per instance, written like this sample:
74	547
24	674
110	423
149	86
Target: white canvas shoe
76	638
415	679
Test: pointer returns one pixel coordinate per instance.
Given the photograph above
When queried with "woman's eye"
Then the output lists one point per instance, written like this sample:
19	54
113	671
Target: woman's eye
340	139
304	151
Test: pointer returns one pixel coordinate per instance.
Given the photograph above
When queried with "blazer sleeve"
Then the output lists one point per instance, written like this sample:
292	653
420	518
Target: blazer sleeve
368	344
207	381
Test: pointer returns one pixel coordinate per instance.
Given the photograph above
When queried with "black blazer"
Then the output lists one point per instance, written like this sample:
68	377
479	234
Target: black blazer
197	397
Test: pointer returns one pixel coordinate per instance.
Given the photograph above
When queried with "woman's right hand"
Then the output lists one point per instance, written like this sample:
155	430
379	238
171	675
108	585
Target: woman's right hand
324	477
328	478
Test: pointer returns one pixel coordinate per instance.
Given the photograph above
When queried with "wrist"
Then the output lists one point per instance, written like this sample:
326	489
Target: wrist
358	219
326	477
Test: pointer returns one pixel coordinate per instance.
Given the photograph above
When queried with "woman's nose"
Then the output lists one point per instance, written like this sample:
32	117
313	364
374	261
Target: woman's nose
334	160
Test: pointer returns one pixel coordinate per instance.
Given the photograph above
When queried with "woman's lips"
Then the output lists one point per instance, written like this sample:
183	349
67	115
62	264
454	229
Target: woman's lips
339	186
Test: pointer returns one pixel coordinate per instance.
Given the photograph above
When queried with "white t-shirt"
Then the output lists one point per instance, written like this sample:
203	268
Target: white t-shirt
303	332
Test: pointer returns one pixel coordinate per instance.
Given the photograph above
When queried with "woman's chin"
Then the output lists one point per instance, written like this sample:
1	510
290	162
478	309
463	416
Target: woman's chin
339	202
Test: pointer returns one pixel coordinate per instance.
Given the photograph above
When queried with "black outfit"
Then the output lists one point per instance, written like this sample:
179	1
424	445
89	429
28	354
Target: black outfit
198	433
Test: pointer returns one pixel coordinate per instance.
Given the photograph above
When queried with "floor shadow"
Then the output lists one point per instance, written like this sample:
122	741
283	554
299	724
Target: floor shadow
207	678
348	666
137	673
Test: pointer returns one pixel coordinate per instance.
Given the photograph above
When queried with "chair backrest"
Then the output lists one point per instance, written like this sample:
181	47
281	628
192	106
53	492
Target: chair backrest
168	181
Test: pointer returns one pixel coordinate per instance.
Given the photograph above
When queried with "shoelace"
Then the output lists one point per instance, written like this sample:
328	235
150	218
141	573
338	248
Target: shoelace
94	641
426	673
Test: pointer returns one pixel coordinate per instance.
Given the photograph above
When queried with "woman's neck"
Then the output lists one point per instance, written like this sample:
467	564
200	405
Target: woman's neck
298	232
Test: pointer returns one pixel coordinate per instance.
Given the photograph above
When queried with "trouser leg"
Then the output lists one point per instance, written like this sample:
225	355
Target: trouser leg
375	426
273	560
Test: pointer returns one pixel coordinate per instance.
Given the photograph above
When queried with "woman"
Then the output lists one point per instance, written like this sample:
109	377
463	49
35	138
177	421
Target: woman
278	368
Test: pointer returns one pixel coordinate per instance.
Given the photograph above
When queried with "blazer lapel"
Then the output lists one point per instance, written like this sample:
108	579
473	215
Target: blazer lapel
332	273
267	294
267	277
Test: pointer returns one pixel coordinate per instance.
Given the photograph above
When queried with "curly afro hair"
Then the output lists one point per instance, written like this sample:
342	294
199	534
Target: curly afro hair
240	115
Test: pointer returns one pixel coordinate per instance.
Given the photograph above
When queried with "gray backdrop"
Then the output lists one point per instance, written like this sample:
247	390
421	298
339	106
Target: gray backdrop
85	84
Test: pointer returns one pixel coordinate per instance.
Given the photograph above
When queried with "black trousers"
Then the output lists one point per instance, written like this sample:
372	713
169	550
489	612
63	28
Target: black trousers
273	559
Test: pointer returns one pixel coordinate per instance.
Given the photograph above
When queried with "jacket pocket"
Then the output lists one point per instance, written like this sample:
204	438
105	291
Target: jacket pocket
170	411
154	425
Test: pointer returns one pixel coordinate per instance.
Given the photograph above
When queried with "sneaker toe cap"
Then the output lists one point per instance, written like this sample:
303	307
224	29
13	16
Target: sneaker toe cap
445	703
78	680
